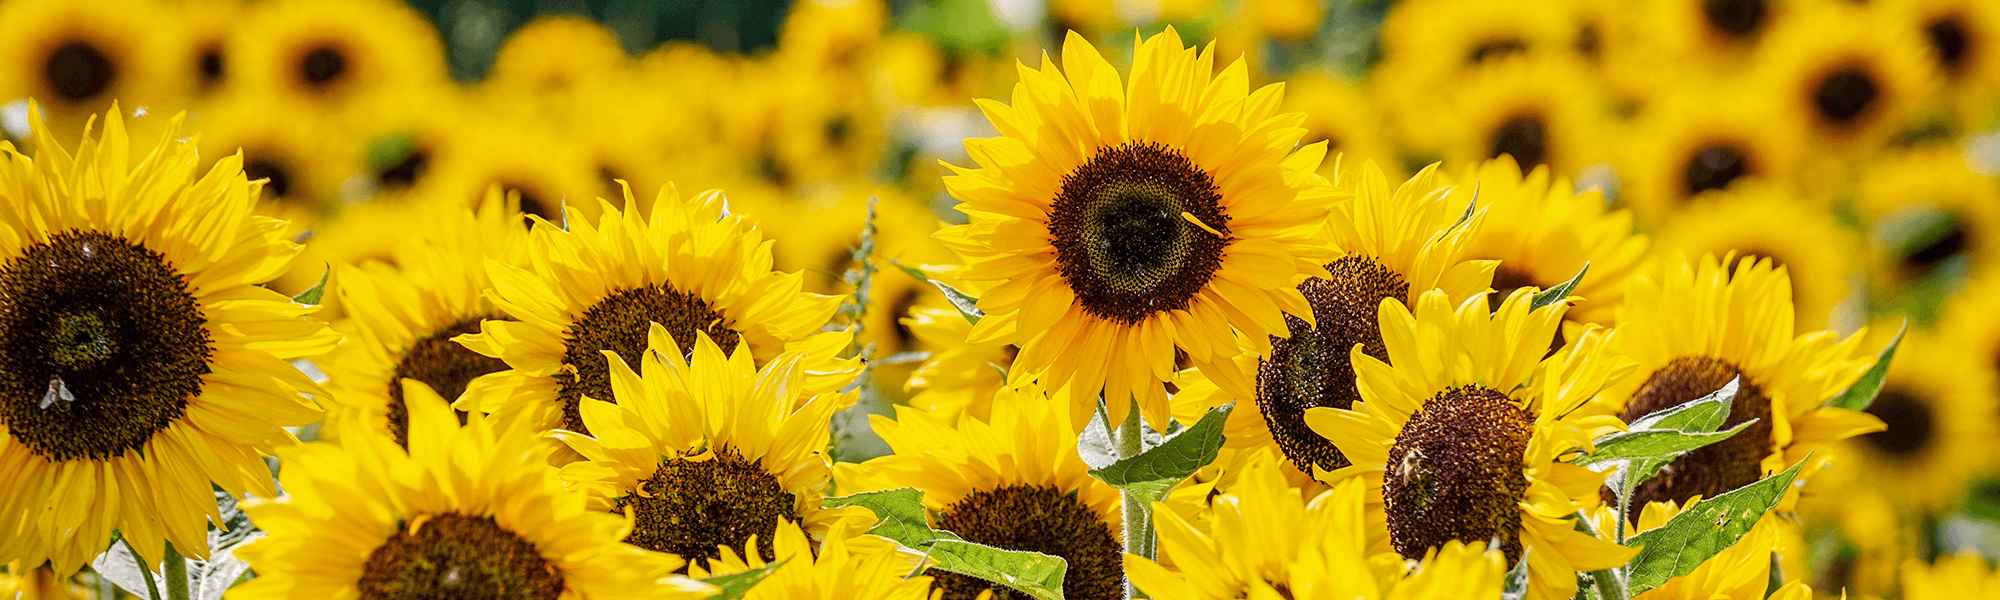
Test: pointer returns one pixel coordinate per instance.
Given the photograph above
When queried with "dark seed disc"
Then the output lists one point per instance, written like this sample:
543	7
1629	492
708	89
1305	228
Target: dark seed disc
442	364
1120	240
1456	472
1912	424
619	323
78	71
1845	94
1311	368
692	508
1525	137
1036	518
460	557
1712	469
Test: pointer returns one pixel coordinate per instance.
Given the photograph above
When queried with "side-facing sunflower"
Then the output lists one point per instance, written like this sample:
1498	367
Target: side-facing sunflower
1013	481
1821	253
1130	221
140	363
1854	84
467	512
1543	233
1461	438
836	569
401	315
1694	327
705	449
1264	540
594	287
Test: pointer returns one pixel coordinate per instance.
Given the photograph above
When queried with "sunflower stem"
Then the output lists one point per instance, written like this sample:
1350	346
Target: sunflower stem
145	571
1138	517
174	569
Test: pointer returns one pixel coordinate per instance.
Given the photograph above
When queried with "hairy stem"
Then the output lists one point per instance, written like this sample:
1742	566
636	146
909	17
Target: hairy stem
174	570
1138	517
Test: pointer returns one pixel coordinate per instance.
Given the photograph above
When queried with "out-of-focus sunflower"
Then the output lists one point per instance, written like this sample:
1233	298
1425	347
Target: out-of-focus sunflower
1461	439
1854	85
705	449
595	286
550	57
1873	539
1540	110
140	363
1694	327
1926	207
823	35
1689	143
1014	481
1969	324
40	583
1822	255
303	158
486	152
401	315
1716	35
958	378
1960	575
1939	406
323	55
1340	114
1439	40
467	512
74	57
1543	233
205	27
833	570
1964	43
1265	541
830	126
357	233
1169	221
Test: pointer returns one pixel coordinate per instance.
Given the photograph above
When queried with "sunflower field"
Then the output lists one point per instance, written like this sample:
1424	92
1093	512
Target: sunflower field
999	299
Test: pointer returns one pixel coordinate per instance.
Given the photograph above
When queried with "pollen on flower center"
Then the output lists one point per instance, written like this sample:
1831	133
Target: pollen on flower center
1036	518
619	323
1311	369
692	507
453	555
1712	469
440	363
1456	473
101	346
1119	236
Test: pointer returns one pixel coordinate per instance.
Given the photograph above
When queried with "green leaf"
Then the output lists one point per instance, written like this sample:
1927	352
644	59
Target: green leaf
1471	208
1702	530
1039	575
735	585
390	151
1665	444
312	296
965	303
1515	586
900	512
1699	415
1148	476
1862	394
1558	293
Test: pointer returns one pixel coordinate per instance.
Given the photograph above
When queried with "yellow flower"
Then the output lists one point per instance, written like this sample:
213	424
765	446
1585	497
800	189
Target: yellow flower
1936	405
467	512
1961	36
1542	234
834	570
1705	137
1014	481
1541	110
1128	221
1813	245
1965	575
1339	113
329	56
305	158
958	378
74	57
553	56
39	583
1462	438
1925	208
1742	570
1264	540
594	287
1854	84
139	360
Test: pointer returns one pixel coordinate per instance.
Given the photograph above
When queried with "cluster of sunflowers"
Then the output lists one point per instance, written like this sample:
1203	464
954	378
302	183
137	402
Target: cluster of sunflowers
1431	299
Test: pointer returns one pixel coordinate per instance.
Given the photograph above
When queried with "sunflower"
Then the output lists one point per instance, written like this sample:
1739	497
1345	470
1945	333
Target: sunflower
1743	570
594	287
1822	254
401	315
466	512
1694	327
326	54
1939	407
1438	40
1265	541
1014	481
830	127
39	583
1340	114
959	377
551	56
1397	246
837	569
706	449
1926	207
1126	224
1717	35
140	361
76	56
1854	85
302	158
1542	110
1953	576
1964	41
1687	143
1460	439
1966	323
824	35
204	34
1873	539
1543	234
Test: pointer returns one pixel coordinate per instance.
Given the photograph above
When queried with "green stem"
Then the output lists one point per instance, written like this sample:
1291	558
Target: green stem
145	571
1138	517
1610	583
175	571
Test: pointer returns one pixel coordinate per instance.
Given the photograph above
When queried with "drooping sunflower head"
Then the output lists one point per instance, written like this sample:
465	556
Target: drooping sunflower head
140	362
1458	434
1014	481
403	312
705	449
1125	220
1543	232
465	512
594	287
1693	328
1852	82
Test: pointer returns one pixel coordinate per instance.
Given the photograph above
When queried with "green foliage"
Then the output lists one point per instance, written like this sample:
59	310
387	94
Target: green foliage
1862	394
1703	529
966	304
1558	293
735	585
902	518
317	292
1160	465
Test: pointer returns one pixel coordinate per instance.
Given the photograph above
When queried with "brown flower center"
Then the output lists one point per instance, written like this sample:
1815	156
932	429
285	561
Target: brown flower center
453	555
1035	518
1456	472
1311	368
694	507
1119	237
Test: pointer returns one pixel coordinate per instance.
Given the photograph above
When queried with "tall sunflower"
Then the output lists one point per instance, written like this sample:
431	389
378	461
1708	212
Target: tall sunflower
401	315
140	363
1543	233
1265	540
1127	221
1694	327
594	287
466	512
706	449
1013	481
553	56
1461	438
836	569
